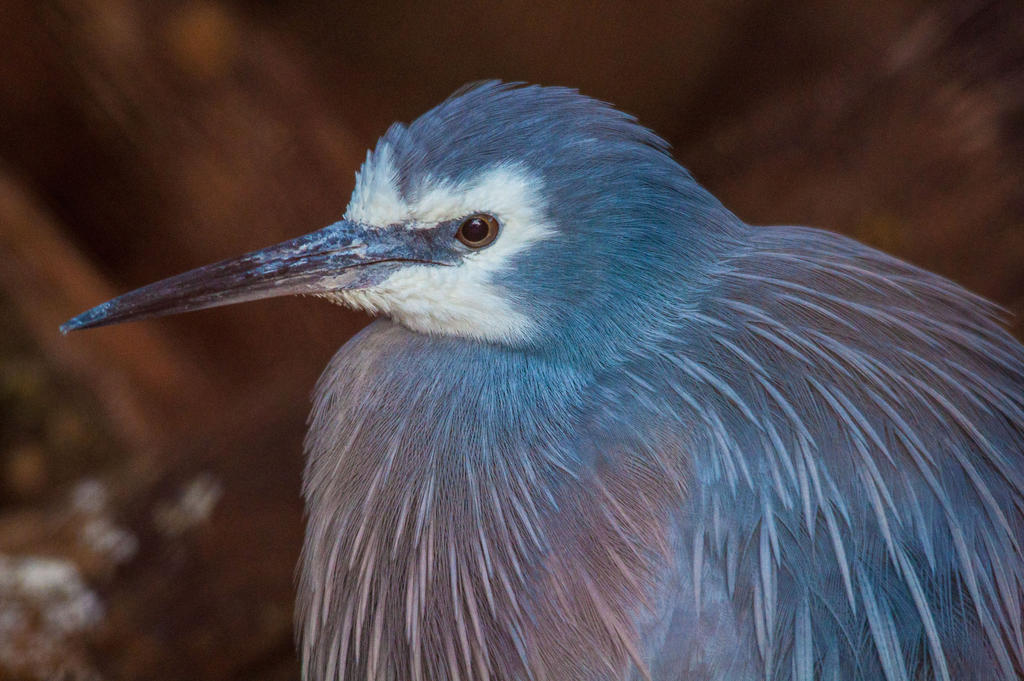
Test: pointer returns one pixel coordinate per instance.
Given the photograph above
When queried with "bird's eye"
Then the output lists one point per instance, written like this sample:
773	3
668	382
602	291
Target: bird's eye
478	231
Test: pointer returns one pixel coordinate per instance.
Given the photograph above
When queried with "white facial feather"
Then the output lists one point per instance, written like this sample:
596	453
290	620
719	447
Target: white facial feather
462	300
375	199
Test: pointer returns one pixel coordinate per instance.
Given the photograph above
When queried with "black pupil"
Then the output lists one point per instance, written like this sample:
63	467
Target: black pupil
475	229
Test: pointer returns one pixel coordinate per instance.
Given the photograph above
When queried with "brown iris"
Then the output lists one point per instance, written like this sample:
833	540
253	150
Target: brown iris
478	230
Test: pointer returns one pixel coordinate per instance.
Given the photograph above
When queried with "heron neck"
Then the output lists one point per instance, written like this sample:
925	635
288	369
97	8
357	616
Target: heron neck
437	468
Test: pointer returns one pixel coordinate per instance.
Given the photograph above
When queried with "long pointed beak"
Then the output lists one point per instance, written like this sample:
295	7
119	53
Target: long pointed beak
328	259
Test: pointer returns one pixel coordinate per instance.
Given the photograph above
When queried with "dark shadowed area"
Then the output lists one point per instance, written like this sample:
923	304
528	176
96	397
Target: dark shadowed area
150	515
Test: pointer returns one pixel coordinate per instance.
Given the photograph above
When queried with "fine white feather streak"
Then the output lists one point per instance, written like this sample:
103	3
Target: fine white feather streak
376	199
462	300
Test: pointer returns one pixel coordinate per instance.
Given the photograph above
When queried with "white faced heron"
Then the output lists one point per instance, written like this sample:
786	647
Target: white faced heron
606	430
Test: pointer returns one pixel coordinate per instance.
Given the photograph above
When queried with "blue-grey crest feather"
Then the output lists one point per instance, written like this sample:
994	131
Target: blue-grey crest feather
732	452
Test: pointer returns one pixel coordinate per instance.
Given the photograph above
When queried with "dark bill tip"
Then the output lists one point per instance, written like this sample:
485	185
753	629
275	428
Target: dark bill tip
86	320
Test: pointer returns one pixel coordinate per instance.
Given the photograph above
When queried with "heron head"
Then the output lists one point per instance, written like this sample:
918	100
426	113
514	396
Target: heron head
502	215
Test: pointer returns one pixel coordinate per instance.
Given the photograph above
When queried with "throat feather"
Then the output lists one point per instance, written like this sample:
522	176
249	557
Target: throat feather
432	553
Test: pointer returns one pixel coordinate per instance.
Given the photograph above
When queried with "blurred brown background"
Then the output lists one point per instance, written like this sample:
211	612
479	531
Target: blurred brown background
149	474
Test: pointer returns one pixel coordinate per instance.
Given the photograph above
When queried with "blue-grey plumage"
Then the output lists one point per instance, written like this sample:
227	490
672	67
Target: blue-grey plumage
631	436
